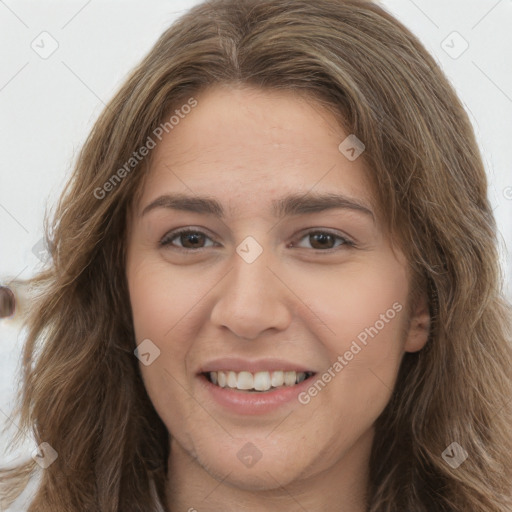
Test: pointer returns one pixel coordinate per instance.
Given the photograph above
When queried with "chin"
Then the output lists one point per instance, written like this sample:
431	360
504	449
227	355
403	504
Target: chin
243	465
261	477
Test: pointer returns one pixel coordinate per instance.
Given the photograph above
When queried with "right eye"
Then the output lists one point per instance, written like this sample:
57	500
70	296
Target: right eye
189	238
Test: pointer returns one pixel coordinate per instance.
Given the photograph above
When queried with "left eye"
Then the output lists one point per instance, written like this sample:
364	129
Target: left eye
192	239
323	238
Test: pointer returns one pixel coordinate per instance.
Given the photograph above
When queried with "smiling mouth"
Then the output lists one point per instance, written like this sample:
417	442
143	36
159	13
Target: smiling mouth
256	382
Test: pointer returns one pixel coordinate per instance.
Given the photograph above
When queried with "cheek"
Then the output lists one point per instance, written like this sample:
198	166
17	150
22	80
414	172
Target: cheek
155	318
162	307
363	317
362	303
159	298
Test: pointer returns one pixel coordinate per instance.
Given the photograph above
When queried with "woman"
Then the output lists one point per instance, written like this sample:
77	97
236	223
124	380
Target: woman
196	345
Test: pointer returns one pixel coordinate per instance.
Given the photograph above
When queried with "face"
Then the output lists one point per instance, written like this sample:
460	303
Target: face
268	285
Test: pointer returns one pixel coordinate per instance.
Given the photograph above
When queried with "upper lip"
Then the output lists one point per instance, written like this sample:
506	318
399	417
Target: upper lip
238	364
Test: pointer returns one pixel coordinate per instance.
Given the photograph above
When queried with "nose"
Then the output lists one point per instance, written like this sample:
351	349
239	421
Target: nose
253	298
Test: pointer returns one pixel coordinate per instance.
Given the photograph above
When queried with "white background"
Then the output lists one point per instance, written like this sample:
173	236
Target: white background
48	106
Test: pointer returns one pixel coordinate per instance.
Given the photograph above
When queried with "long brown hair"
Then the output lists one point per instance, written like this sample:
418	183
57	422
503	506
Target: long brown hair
82	391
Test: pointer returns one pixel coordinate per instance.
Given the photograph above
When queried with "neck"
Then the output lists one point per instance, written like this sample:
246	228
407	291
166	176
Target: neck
341	487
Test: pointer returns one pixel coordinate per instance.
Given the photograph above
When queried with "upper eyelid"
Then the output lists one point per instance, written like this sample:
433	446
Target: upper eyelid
176	232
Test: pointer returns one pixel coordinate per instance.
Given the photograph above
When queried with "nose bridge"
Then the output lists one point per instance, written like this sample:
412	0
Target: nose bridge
251	299
251	278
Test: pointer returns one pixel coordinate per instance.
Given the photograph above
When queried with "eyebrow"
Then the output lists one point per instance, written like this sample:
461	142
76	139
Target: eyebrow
290	205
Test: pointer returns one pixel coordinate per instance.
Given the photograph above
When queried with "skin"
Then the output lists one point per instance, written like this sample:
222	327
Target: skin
246	147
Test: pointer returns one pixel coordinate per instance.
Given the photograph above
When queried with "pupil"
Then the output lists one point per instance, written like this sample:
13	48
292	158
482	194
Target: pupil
193	236
322	236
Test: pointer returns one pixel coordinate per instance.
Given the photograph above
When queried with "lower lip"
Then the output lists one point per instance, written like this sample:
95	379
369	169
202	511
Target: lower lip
257	402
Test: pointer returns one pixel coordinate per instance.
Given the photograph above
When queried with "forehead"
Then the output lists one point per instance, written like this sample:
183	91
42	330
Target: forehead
251	146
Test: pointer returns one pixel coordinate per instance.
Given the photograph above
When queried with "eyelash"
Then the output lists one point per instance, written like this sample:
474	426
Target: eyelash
165	242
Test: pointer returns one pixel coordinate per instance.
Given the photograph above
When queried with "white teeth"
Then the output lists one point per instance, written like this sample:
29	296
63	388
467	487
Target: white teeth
244	381
232	380
290	378
262	381
277	379
259	381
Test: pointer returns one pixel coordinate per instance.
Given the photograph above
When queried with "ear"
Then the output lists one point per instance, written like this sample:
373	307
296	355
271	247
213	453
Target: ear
419	325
